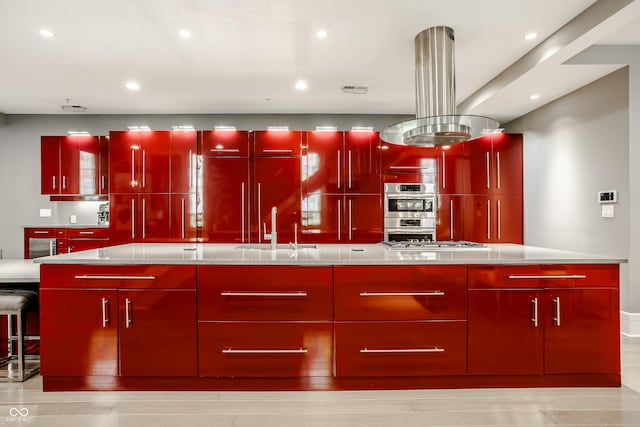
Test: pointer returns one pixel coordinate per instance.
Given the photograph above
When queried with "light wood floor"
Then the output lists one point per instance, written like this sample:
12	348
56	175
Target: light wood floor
407	408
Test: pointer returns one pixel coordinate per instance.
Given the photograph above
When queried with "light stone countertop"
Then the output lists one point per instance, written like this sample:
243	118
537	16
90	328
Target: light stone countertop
19	271
325	254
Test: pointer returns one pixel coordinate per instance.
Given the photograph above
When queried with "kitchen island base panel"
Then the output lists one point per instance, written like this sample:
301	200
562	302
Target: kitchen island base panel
101	383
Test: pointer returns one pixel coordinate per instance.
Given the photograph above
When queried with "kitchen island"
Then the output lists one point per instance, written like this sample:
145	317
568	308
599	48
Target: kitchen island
247	317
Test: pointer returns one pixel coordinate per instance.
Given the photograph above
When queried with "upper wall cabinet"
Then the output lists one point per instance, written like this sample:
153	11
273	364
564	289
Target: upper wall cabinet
139	161
405	164
362	162
276	143
494	164
70	165
184	150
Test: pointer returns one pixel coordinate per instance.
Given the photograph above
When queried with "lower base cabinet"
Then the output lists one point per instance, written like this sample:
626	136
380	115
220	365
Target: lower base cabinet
391	349
265	349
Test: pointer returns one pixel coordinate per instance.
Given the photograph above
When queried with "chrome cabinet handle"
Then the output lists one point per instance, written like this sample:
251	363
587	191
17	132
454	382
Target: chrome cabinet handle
402	294
144	218
350	218
64	182
339	218
350	169
451	237
556	303
114	277
402	350
102	180
225	150
133	219
488	220
144	168
190	170
86	232
133	171
242	212
534	320
263	294
277	151
498	168
444	172
339	182
182	219
549	276
499	219
54	182
51	248
405	167
487	168
259	215
40	232
265	351
127	313
105	317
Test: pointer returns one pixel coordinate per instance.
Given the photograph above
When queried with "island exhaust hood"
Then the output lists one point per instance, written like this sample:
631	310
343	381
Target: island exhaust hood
436	120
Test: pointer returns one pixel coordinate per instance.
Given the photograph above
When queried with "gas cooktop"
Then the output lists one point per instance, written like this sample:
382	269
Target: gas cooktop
409	245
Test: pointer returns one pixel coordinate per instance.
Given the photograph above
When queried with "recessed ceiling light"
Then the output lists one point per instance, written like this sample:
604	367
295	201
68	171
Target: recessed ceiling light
78	133
46	33
326	128
301	85
362	129
185	34
132	85
322	34
534	96
225	128
531	36
278	128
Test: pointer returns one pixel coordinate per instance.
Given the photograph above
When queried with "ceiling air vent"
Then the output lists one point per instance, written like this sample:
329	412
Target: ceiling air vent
357	90
73	108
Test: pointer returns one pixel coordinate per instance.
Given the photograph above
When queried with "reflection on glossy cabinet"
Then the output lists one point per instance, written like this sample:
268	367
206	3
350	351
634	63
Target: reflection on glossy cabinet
494	164
103	174
324	163
70	165
184	150
184	217
141	217
362	162
323	218
80	334
493	219
363	214
450	214
451	169
49	165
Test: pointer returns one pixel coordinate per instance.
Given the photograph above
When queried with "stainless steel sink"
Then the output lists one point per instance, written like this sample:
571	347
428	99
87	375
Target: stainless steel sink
279	246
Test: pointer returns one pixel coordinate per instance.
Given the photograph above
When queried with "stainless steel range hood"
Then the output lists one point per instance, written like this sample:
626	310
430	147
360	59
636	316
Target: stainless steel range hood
436	120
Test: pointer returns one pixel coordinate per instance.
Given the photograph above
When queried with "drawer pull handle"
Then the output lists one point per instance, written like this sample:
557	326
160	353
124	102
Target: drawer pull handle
551	276
85	232
225	150
91	277
264	294
261	351
402	350
277	151
402	294
40	232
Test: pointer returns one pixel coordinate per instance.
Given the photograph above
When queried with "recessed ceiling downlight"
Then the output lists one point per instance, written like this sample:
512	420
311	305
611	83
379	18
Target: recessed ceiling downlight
185	34
530	36
534	96
131	85
301	85
46	33
322	34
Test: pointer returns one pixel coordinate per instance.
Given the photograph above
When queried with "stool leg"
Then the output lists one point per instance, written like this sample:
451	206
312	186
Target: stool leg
20	346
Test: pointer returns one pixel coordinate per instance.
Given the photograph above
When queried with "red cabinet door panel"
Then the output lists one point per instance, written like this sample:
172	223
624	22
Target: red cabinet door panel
125	150
103	169
363	217
362	162
324	163
504	336
184	150
408	160
50	165
582	331
264	293
184	217
79	164
225	199
155	324
82	244
323	218
225	143
264	349
155	161
152	276
543	276
276	143
450	214
478	218
452	170
155	220
400	292
124	225
80	334
507	222
479	163
364	349
87	233
507	163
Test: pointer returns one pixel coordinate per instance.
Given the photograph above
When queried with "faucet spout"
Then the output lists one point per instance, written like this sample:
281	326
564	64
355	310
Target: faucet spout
274	231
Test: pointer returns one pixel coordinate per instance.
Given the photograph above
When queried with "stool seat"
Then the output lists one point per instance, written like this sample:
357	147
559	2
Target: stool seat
17	299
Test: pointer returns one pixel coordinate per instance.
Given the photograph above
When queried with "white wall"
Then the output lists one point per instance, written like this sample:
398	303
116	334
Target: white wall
573	148
20	198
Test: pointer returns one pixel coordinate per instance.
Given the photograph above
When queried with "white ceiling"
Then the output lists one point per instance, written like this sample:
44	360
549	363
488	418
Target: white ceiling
244	56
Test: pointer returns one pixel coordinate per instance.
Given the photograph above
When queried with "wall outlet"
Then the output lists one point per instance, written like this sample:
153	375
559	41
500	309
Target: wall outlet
608	211
45	213
73	219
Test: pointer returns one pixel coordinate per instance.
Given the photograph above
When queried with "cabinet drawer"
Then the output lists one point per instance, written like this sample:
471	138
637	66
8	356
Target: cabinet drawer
225	143
88	233
264	349
276	143
544	276
400	348
264	293
114	277
45	232
400	293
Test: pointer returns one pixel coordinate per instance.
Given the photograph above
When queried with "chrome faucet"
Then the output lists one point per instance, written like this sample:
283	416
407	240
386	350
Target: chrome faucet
273	236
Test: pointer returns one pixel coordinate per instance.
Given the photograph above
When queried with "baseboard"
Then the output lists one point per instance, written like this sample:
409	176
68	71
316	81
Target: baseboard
630	324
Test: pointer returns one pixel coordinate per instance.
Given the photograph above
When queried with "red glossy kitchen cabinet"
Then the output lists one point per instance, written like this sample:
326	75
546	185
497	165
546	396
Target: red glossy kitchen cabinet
225	198
225	143
103	170
493	219
277	184
450	214
363	218
184	216
323	218
139	161
451	169
144	217
153	323
324	163
184	150
70	165
80	239
362	162
505	332
267	143
494	164
80	336
402	159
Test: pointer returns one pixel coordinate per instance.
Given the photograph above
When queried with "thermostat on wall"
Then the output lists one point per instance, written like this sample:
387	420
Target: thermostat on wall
610	196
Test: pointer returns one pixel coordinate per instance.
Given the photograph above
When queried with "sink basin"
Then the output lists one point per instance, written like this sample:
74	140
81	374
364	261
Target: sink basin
280	246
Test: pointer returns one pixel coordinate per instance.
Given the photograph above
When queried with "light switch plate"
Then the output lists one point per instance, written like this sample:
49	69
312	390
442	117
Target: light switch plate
45	213
73	219
608	211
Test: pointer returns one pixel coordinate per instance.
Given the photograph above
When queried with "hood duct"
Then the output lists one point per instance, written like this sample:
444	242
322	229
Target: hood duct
436	120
